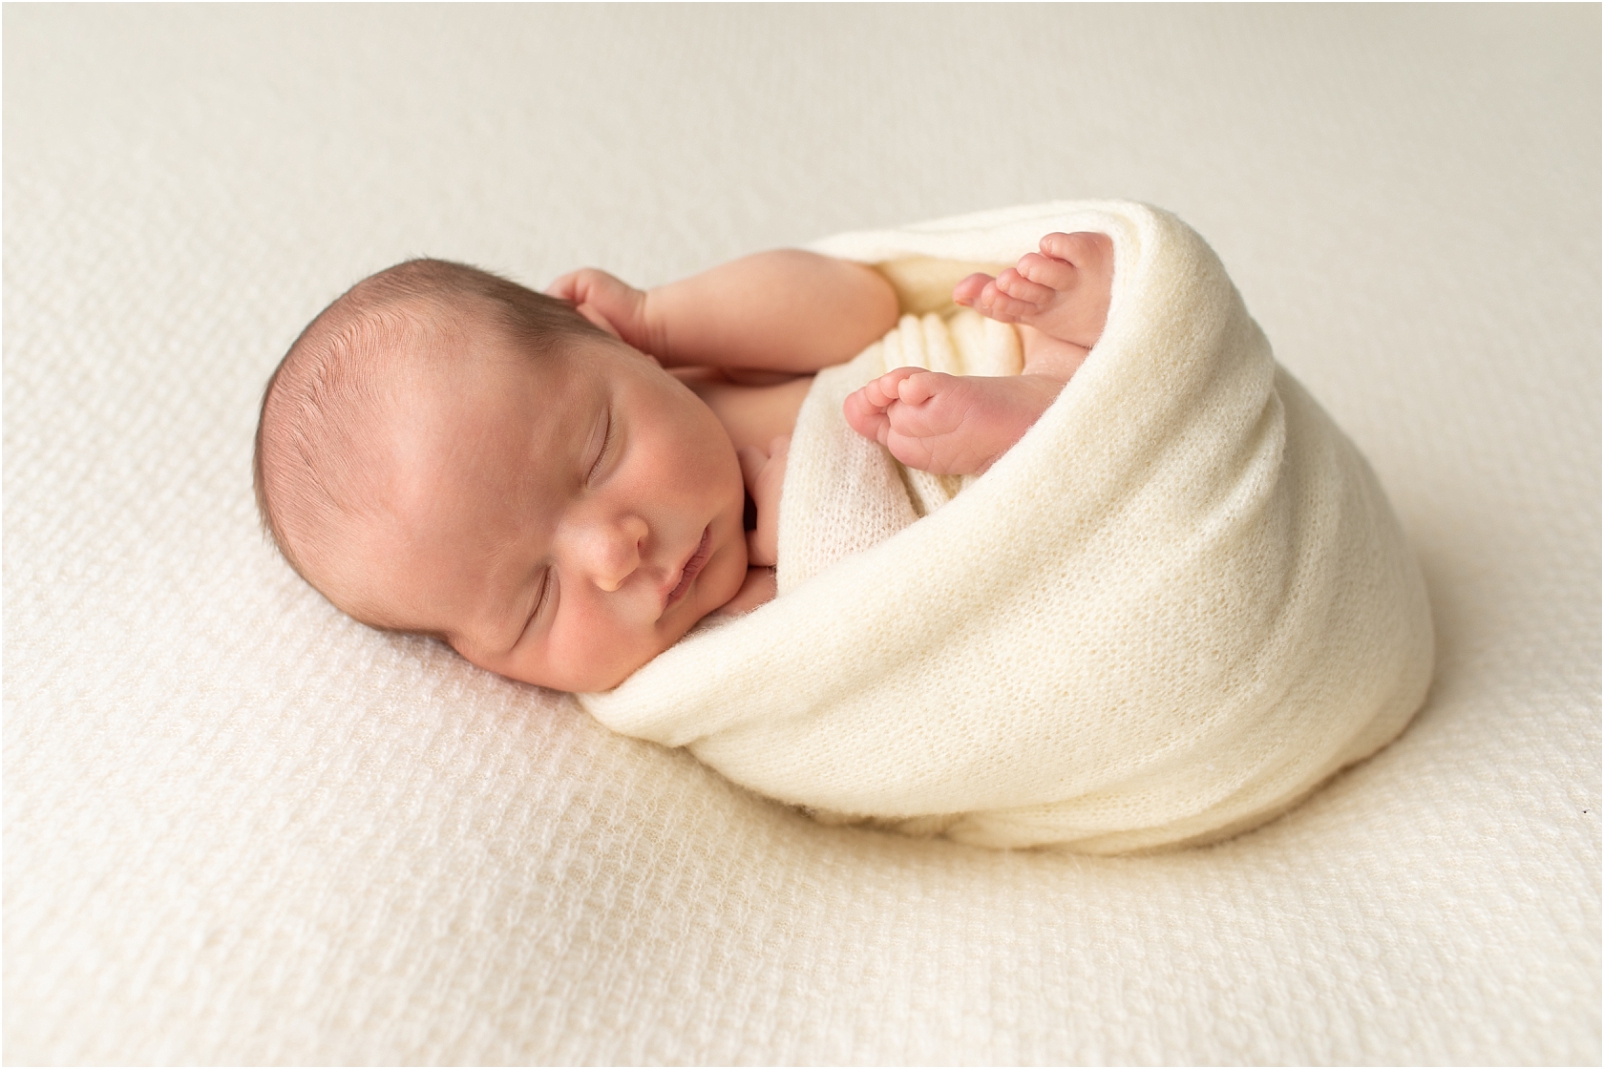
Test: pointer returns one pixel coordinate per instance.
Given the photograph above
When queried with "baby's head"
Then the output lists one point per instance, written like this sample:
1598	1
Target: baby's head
445	452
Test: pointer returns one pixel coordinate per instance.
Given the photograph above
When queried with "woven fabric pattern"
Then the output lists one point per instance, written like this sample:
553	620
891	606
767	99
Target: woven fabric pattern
238	828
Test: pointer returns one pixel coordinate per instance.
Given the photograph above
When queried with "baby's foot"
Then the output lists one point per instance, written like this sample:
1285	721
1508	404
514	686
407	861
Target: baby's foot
947	424
1063	291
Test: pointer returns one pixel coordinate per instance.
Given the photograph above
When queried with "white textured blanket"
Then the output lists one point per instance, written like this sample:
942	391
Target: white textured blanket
1172	610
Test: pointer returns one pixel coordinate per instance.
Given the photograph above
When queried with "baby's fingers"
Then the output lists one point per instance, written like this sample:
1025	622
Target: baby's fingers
564	288
762	548
583	284
752	461
607	301
765	477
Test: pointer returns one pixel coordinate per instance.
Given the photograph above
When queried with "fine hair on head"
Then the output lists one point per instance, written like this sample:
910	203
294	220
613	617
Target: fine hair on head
315	459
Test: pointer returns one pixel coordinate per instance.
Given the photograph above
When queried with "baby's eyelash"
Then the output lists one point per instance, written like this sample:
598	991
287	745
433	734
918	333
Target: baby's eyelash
601	454
546	583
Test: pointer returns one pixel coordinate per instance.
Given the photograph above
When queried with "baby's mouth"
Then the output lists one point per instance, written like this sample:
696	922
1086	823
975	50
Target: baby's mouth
691	569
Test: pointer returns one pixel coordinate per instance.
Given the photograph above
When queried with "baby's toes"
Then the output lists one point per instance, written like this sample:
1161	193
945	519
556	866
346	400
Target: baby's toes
864	417
873	396
1056	275
879	392
888	387
1078	248
996	304
968	291
857	406
1020	288
918	388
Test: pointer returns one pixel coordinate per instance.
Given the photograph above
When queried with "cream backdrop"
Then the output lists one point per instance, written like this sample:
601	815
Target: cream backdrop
238	828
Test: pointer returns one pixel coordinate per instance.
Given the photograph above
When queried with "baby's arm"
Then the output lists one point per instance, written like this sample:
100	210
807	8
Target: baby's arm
961	425
787	310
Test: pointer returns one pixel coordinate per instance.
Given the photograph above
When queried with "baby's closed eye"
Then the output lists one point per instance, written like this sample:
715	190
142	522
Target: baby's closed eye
593	474
545	593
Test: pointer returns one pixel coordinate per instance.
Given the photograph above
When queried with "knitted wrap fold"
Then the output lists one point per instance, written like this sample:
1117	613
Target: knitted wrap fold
1170	612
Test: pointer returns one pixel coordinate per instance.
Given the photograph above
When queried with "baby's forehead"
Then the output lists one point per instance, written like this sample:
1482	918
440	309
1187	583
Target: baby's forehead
442	351
479	377
458	397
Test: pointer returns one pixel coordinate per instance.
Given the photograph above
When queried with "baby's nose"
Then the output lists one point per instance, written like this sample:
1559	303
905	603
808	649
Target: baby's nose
613	551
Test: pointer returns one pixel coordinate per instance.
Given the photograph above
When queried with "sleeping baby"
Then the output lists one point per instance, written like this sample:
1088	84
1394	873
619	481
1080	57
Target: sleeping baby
560	486
1053	553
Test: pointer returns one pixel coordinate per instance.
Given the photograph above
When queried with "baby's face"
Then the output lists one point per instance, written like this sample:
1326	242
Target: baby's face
561	520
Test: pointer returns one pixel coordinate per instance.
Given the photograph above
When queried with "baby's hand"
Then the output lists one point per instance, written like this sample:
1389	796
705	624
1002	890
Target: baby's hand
758	589
947	424
609	302
764	474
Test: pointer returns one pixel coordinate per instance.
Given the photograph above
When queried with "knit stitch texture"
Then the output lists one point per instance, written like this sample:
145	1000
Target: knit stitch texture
1178	604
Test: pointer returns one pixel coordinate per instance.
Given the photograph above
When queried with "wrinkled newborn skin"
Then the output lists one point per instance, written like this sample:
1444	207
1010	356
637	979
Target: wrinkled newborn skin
562	520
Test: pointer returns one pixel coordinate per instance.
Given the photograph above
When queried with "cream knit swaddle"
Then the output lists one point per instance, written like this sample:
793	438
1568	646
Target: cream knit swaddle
1166	615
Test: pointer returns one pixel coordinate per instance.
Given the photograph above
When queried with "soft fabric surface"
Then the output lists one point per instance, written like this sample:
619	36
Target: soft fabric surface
239	829
1167	614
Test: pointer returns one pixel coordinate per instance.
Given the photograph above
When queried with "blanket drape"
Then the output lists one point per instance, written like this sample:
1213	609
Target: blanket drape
1165	616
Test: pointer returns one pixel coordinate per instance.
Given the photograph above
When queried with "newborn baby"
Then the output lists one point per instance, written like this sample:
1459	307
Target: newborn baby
560	486
1177	604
